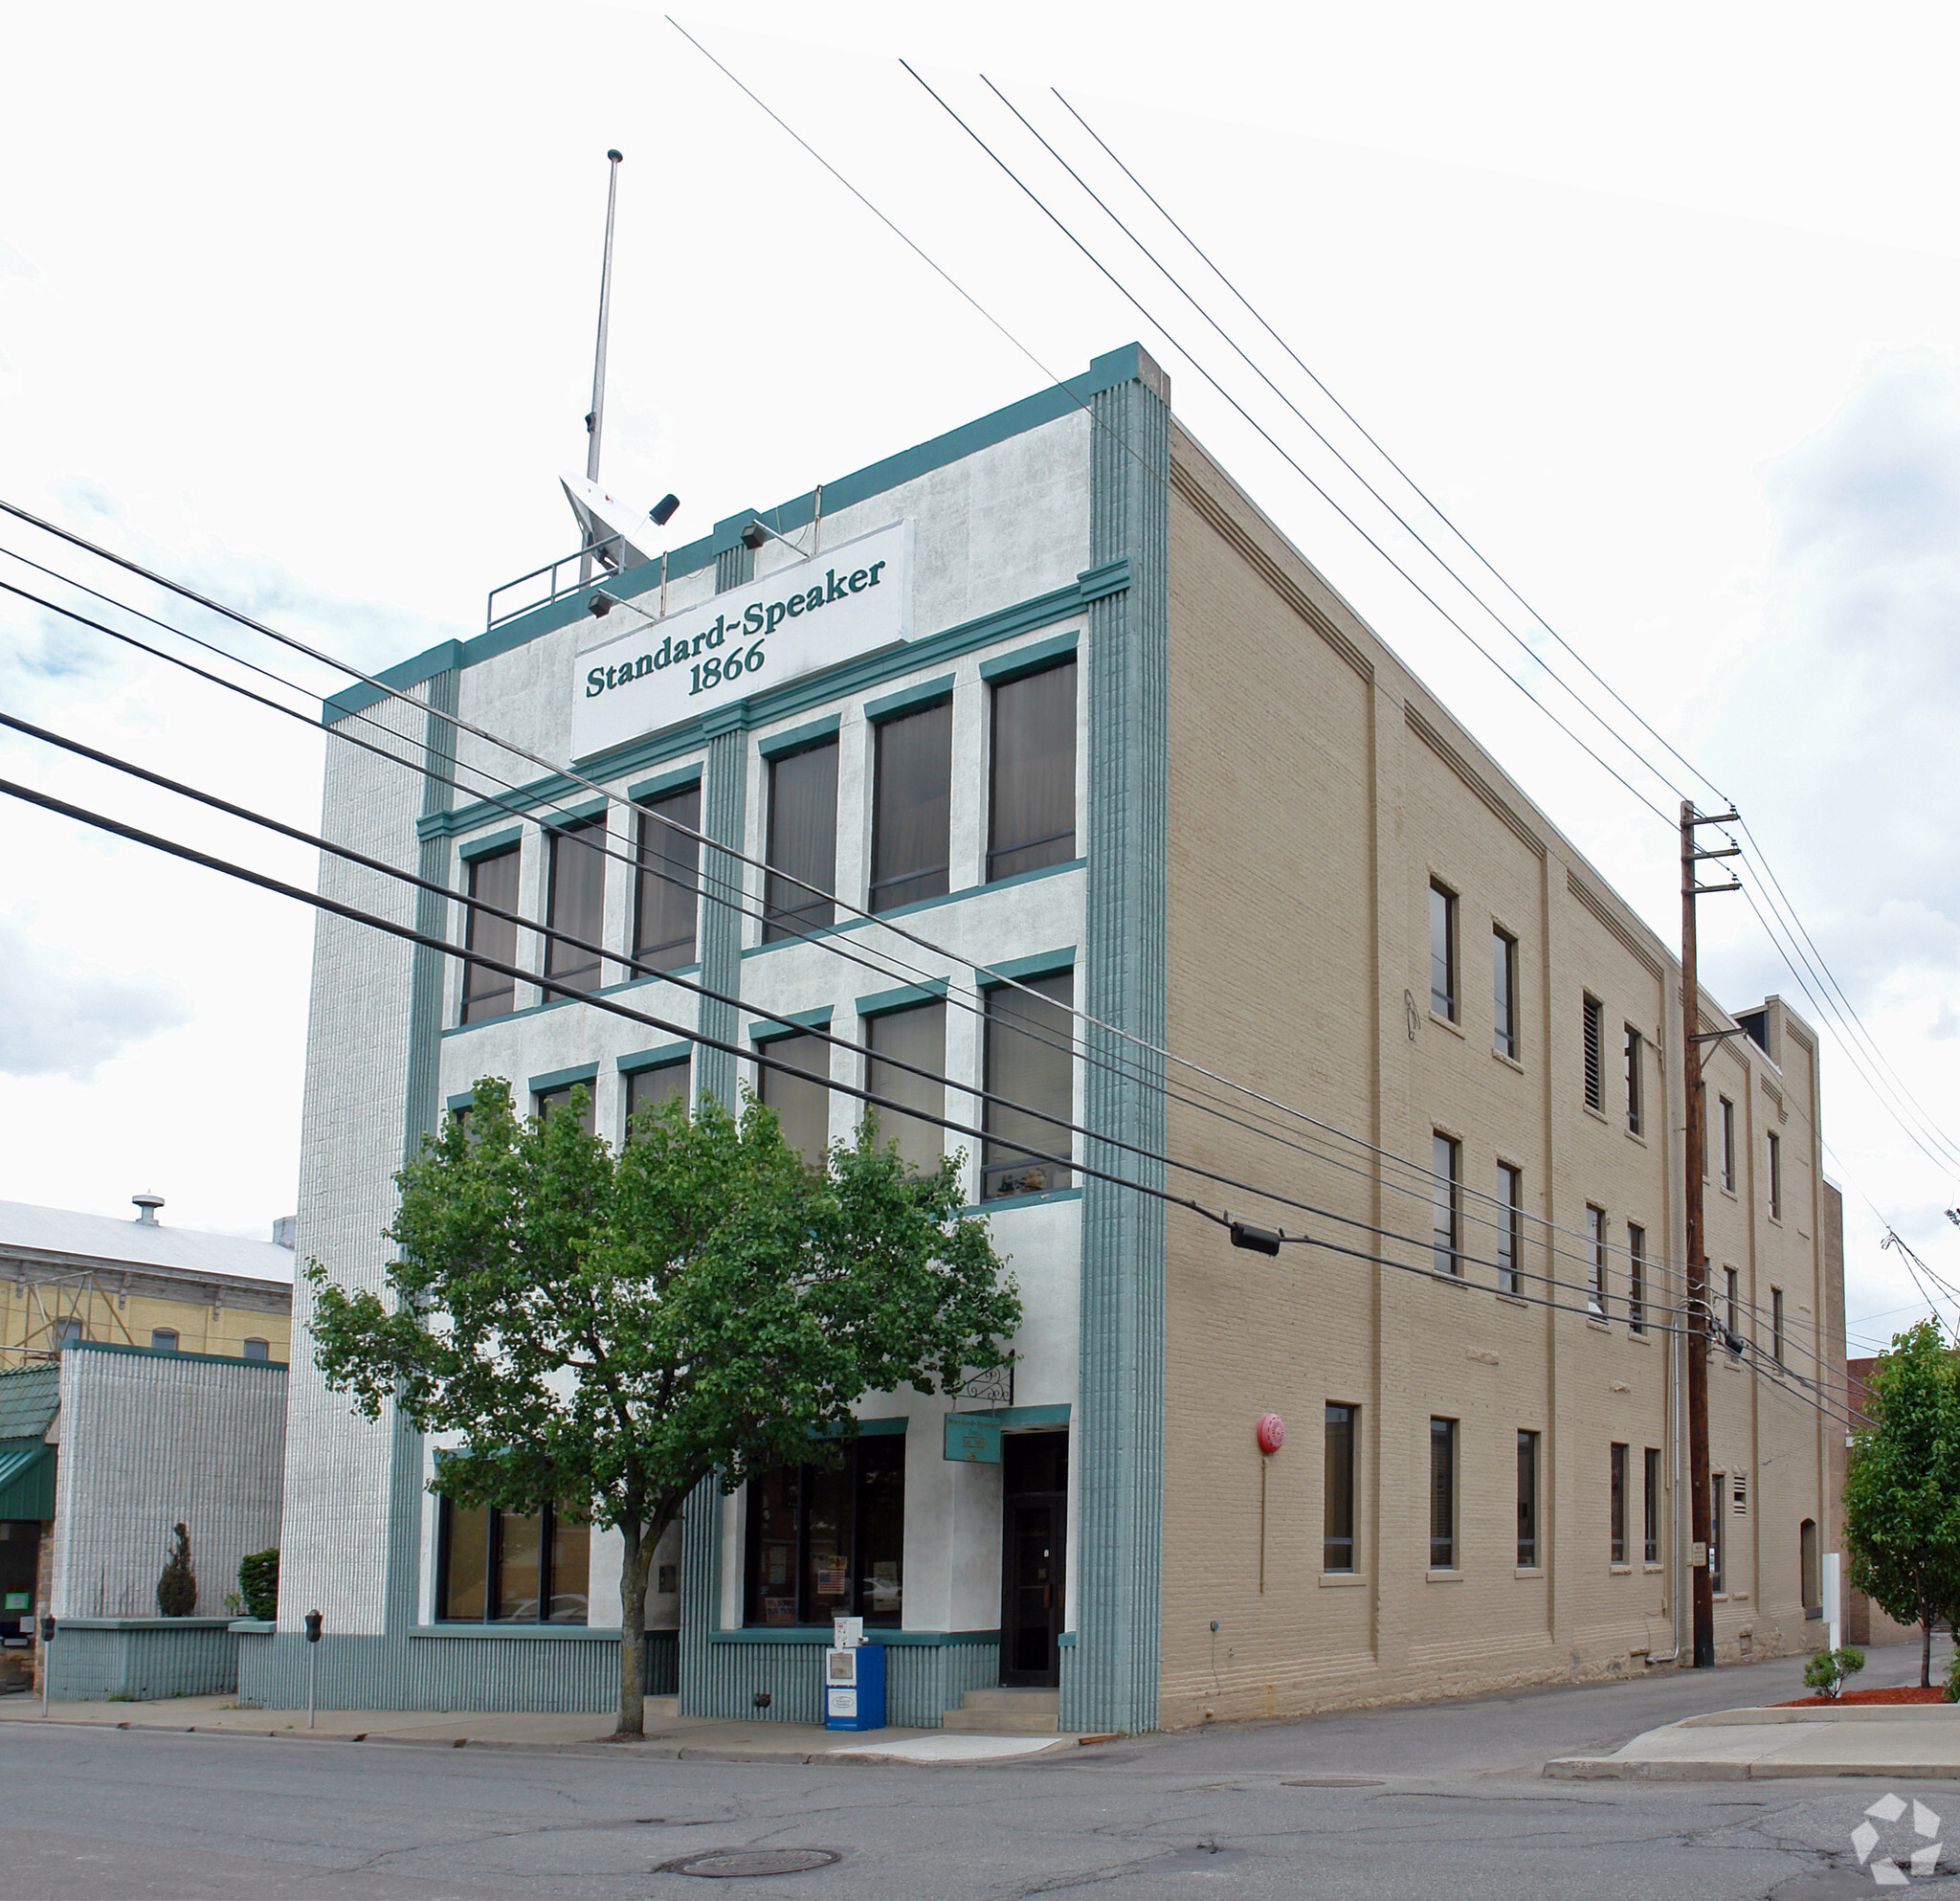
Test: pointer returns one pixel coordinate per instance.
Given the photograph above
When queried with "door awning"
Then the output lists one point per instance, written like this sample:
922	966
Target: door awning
27	1479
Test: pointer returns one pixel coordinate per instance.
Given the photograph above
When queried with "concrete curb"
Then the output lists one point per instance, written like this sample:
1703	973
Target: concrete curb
1606	1769
1856	1713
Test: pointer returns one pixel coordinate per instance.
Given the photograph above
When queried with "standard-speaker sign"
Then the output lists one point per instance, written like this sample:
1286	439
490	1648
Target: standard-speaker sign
847	601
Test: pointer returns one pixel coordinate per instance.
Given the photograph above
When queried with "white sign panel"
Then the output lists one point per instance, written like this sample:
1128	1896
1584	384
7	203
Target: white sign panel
846	601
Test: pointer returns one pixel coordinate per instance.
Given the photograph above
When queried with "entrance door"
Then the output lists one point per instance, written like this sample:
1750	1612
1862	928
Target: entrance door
1033	1572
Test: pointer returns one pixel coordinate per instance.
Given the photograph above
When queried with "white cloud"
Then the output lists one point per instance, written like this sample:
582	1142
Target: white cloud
62	1016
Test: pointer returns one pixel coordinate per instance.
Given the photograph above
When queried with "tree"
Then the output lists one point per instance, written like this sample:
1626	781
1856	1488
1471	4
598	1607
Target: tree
1902	1493
605	1330
177	1586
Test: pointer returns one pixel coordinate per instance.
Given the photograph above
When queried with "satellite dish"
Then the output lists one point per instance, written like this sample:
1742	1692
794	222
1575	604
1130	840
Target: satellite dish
602	515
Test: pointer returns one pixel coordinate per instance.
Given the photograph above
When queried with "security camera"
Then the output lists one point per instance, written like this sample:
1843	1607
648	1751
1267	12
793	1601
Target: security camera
662	511
754	535
601	605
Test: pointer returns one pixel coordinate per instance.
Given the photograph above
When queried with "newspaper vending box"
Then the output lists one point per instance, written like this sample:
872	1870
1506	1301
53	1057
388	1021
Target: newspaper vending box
853	1687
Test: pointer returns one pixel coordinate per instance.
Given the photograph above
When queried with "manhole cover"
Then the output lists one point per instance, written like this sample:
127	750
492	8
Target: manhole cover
728	1864
1334	1782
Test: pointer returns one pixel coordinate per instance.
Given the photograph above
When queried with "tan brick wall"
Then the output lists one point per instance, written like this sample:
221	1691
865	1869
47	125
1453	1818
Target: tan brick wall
1315	791
29	1307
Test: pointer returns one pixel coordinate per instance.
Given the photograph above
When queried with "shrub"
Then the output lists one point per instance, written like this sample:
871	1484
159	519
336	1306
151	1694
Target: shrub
259	1584
1827	1670
177	1587
1953	1673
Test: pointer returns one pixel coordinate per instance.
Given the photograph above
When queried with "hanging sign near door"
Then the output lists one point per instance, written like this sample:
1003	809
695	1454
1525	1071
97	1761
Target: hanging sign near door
972	1442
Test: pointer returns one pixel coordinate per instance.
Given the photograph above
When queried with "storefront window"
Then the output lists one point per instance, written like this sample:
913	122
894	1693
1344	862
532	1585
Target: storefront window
505	1567
828	1541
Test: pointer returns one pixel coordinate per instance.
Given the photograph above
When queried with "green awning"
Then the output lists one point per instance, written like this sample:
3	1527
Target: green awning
27	1479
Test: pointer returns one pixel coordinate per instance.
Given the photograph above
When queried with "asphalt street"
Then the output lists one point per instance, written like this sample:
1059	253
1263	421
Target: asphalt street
1442	1801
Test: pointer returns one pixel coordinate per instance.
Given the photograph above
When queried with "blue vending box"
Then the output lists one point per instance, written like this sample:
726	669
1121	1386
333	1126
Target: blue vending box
853	1687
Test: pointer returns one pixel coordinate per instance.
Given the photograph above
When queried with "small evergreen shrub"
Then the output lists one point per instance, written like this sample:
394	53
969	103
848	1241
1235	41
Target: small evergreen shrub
1828	1672
259	1584
1953	1673
177	1587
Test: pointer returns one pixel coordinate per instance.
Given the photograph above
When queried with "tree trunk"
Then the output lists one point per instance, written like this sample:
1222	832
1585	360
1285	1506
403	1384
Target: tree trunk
1926	1647
633	1629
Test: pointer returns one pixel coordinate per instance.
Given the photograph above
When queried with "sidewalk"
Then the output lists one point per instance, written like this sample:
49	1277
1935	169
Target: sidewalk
669	1735
1896	1743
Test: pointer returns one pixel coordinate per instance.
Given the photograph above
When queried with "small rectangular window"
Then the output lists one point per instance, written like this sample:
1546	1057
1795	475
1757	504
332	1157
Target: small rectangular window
1031	811
1616	1504
493	881
1731	1288
1446	1225
648	1091
1637	1278
1726	1117
1510	1229
1776	1325
1650	1507
162	1339
800	1094
511	1567
1776	1177
1337	1510
1442	952
1528	1500
1634	1117
575	905
1504	981
802	842
667	887
916	1037
255	1349
1717	1497
911	807
1595	1031
1029	1062
1595	1262
1442	1495
546	1102
68	1329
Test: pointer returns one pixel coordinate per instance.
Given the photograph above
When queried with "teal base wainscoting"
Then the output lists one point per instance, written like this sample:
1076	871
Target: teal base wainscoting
926	1673
142	1657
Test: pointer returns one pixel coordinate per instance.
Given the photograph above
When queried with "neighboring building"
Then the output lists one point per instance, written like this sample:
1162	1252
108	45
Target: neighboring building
1051	692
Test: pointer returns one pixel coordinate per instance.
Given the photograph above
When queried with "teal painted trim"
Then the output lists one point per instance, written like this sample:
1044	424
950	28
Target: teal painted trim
1067	1639
663	783
466	1100
521	1633
799	1020
557	1079
253	1627
161	1354
404	675
909	699
575	814
883	1428
480	847
145	1623
1111	577
653	1059
1020	1416
652	976
911	911
1033	658
798	738
882	1002
821	1633
561	1002
1001	1202
1042	964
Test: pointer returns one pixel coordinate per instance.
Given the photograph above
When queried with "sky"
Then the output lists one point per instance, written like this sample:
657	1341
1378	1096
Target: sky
1661	309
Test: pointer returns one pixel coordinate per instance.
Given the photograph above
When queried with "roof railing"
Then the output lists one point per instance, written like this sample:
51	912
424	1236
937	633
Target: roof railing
542	585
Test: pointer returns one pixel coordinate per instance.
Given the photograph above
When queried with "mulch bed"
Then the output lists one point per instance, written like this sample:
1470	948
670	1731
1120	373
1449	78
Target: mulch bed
1912	1694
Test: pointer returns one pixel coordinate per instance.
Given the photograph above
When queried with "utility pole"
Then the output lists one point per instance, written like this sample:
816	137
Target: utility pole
595	418
1695	1151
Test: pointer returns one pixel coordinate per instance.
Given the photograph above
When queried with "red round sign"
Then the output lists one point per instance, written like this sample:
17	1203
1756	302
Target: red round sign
1272	1432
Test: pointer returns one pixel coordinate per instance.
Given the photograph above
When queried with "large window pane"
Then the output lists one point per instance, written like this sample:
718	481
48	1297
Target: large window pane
1030	1063
571	1550
647	1091
826	1544
1446	1192
488	992
549	1102
916	1035
577	903
508	1567
881	1506
466	1565
912	808
666	898
1033	817
1337	1544
803	842
772	1499
519	1553
828	1541
801	1098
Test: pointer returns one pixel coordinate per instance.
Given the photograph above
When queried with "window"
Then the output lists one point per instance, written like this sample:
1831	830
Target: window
1776	1177
1809	1578
911	807
1337	1490
1727	1114
1616	1504
1594	1032
68	1329
507	1567
1446	1224
1510	1229
493	881
1503	983
1634	1095
576	907
1596	1266
917	1037
666	888
1732	1286
1637	1278
257	1349
1442	952
1032	817
828	1541
1718	1487
648	1090
547	1102
1776	1325
1650	1505
162	1339
800	1095
803	842
1442	1495
1029	1062
1528	1501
